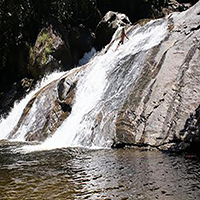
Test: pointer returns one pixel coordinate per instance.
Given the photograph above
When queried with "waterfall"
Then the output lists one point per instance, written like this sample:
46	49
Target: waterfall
7	124
102	89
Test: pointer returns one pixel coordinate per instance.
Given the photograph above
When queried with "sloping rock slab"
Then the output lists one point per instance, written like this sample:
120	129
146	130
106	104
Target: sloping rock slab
168	90
48	108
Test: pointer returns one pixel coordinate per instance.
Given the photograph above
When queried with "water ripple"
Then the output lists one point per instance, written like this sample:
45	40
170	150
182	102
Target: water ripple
97	174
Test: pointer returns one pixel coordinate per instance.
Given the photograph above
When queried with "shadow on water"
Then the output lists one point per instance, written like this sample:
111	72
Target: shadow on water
75	173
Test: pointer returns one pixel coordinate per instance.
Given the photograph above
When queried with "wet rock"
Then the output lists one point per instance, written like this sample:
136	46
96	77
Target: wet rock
73	31
66	91
47	109
15	92
22	21
27	83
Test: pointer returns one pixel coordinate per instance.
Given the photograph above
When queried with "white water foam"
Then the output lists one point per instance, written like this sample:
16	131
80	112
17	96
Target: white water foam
91	86
7	124
87	56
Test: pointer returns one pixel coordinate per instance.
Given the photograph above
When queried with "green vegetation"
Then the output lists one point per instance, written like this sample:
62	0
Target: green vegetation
22	20
43	39
46	41
18	17
46	52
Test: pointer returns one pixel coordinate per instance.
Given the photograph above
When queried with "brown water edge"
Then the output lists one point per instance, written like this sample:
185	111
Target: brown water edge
75	173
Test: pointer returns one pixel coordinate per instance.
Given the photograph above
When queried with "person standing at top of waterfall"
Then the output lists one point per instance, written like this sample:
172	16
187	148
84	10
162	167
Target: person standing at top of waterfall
122	36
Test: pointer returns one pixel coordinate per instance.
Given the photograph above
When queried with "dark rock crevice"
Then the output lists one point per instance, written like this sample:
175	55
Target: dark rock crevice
191	129
151	93
195	28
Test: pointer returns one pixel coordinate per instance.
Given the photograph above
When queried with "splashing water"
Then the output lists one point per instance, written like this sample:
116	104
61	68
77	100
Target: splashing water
91	87
7	124
86	57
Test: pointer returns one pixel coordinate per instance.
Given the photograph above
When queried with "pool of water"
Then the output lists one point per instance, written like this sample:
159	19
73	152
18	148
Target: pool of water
75	173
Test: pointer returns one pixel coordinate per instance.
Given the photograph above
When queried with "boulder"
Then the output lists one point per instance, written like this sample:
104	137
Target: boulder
22	22
49	53
135	12
108	25
74	22
48	108
57	48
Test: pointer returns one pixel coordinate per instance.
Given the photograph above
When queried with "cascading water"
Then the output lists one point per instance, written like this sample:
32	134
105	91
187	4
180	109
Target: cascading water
102	89
7	124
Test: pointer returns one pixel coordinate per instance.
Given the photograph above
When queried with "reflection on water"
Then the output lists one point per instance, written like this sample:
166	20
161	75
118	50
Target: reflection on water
97	174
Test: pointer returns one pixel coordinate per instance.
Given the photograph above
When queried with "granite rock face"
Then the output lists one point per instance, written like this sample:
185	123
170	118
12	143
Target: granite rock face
168	90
